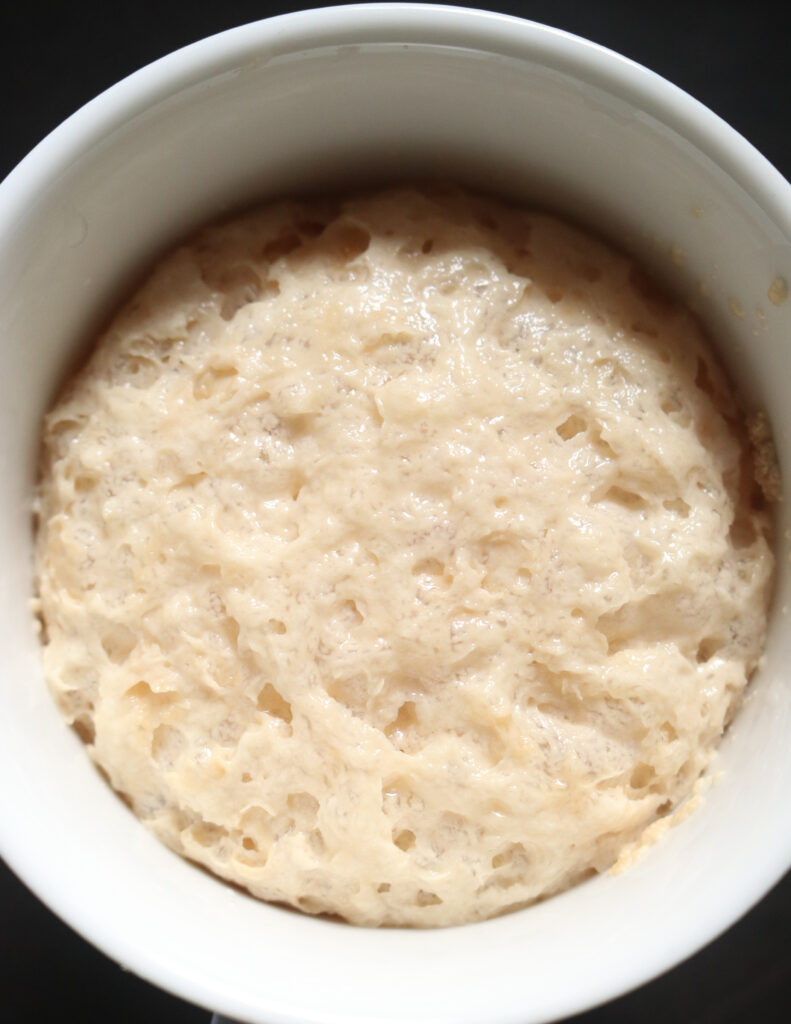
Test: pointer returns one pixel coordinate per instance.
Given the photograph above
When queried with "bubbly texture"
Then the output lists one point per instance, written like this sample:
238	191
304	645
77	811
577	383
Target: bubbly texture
400	557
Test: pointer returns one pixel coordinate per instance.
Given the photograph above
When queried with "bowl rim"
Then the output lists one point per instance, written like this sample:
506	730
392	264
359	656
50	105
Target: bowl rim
372	24
403	23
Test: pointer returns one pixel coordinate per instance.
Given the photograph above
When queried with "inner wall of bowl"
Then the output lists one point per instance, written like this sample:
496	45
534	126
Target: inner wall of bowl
342	117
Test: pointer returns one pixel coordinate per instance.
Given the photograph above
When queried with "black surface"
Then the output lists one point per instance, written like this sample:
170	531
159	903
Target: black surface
53	58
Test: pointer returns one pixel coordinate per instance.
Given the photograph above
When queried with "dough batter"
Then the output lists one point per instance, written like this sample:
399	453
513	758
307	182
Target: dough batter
400	558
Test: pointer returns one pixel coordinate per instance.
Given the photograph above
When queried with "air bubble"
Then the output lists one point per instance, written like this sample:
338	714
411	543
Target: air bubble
707	648
118	643
167	743
404	839
625	498
571	427
642	776
271	702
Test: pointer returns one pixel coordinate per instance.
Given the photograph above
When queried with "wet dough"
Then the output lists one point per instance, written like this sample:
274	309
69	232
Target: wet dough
399	557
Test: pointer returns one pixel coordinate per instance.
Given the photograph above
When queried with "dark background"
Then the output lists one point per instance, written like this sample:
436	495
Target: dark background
53	58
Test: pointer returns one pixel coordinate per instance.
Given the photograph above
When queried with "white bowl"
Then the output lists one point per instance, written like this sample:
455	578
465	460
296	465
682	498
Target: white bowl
331	97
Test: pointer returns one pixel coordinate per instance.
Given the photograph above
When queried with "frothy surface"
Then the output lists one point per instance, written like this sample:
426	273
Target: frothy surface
400	558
